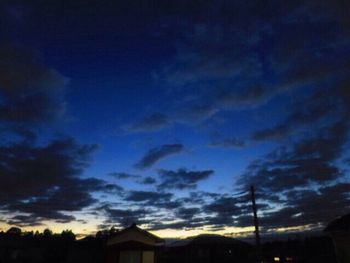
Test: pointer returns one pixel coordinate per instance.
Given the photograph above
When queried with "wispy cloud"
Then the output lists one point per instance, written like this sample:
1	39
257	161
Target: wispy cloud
156	154
153	122
182	178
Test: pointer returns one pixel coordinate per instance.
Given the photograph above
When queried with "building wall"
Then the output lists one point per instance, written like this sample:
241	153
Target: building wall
132	235
148	256
342	246
131	256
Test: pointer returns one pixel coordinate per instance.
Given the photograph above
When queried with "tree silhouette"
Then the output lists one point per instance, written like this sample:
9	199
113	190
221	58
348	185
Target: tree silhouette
47	233
68	235
14	231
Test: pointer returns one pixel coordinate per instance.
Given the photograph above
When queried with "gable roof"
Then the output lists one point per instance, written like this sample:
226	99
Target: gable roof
135	233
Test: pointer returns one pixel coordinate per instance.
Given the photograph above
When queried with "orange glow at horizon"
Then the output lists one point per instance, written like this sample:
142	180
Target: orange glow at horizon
90	228
82	230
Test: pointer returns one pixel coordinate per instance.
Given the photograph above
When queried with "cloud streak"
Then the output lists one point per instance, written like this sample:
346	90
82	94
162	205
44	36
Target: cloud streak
156	154
154	122
182	178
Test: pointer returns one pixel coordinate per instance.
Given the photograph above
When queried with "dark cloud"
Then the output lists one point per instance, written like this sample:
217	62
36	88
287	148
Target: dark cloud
125	217
16	133
227	143
161	210
182	179
200	197
276	132
211	210
308	207
25	221
303	179
156	154
261	56
144	196
199	209
225	206
236	56
253	54
30	91
112	188
44	182
122	175
218	211
39	181
197	113
153	122
168	204
154	200
194	223
308	161
248	97
225	209
33	169
147	180
187	213
319	105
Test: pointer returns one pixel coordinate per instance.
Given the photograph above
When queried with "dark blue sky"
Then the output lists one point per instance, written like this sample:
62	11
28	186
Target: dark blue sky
161	112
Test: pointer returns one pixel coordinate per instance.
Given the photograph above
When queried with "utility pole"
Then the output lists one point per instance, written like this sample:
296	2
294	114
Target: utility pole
256	223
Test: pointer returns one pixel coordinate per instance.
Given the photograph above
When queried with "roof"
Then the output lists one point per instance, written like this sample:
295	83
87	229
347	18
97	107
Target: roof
135	233
339	224
207	239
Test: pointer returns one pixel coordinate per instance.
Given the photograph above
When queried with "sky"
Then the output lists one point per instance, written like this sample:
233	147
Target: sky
164	113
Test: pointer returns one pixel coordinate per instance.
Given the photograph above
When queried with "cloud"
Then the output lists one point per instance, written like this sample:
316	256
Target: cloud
223	206
227	143
154	122
112	188
162	210
318	106
297	182
23	221
39	181
123	175
147	180
43	182
308	207
183	218
125	217
155	200
30	91
200	197
187	213
197	113
248	97
308	160
225	209
143	196
183	224
302	179
156	154
225	67
182	179
286	52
